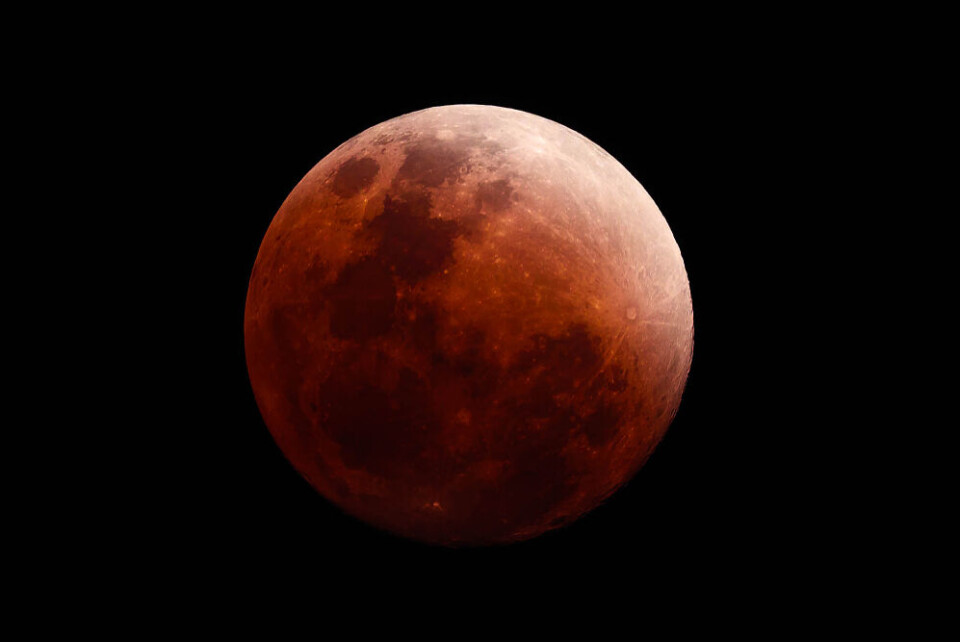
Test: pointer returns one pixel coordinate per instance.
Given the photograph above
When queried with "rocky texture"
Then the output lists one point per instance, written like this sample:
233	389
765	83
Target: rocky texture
468	325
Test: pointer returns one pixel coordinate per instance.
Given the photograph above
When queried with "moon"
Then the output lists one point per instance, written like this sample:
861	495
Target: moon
468	325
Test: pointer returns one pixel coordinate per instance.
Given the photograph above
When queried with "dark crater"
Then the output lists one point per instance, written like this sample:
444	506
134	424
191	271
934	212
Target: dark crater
379	430
432	162
362	301
495	195
410	242
354	175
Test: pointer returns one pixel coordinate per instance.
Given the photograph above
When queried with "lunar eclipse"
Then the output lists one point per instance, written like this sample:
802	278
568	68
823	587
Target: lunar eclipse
468	325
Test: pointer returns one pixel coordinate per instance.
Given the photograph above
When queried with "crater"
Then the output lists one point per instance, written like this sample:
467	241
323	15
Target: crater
432	162
575	353
494	195
354	175
411	243
362	301
602	425
380	430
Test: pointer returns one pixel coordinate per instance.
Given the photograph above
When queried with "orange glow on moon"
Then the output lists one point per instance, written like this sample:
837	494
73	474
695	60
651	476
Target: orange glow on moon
468	325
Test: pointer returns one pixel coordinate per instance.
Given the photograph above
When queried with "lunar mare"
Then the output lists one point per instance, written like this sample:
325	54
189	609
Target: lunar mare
468	325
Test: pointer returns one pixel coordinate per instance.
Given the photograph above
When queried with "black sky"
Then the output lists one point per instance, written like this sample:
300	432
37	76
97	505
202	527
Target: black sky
706	139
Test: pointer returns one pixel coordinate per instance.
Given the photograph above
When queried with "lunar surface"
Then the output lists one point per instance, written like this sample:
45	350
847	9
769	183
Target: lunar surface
468	325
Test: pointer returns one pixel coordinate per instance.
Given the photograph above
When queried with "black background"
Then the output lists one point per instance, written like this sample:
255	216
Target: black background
713	140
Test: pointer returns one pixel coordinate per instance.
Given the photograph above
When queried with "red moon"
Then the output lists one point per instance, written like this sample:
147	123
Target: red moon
468	325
